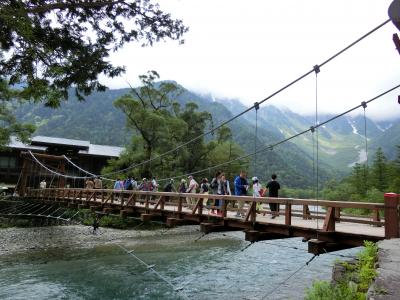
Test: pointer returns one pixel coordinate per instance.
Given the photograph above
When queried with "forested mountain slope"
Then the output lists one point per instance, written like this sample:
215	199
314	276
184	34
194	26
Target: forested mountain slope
341	142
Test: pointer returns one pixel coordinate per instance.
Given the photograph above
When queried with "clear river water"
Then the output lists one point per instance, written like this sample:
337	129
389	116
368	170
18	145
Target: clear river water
213	267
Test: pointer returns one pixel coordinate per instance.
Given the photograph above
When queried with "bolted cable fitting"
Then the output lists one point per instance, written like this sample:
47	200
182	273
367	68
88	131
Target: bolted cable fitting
256	106
312	128
316	69
364	104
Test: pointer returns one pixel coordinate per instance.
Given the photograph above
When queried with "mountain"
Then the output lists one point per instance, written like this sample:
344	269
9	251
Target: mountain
341	142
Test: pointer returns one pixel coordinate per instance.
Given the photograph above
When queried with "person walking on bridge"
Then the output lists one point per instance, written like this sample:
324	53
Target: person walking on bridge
192	189
241	188
215	186
89	184
273	188
98	184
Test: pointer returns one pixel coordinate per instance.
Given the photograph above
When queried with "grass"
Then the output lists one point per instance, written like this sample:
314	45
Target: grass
354	284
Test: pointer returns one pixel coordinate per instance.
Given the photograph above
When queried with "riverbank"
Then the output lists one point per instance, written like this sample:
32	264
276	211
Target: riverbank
17	240
68	262
386	284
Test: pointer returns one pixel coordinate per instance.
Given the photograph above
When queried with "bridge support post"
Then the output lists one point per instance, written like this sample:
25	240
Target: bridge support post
391	215
288	214
171	222
329	222
316	246
146	217
306	212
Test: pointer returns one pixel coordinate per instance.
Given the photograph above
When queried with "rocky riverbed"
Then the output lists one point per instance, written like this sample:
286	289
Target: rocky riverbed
16	240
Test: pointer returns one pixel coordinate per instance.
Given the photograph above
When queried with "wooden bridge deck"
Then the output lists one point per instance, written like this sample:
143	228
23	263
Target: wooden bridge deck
327	230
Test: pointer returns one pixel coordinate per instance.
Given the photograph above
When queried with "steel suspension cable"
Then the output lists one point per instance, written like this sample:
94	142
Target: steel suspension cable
364	105
271	146
243	112
250	108
317	70
151	268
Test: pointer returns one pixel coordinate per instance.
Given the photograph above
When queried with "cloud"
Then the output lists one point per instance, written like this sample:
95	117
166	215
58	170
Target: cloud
249	50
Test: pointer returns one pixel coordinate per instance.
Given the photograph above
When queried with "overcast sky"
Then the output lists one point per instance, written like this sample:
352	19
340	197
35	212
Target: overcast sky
249	49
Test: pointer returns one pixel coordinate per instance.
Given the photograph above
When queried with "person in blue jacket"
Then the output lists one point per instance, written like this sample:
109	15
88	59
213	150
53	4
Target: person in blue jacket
241	188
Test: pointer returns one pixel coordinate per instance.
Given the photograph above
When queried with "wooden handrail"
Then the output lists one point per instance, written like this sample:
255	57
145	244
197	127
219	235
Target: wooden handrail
249	199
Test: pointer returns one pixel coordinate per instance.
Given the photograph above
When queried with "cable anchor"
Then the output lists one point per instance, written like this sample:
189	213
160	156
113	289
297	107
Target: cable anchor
364	104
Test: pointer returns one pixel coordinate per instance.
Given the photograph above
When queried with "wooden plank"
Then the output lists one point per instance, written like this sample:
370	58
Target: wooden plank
391	215
288	214
251	213
329	223
90	197
197	206
158	202
131	200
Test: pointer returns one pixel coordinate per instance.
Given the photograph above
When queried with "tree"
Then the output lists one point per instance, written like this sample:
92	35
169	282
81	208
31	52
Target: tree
148	113
160	125
379	171
359	178
8	123
53	45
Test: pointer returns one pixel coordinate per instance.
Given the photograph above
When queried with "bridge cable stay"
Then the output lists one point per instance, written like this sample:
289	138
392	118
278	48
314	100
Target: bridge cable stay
256	107
268	147
132	166
276	288
85	171
11	208
316	178
366	165
271	146
176	289
246	110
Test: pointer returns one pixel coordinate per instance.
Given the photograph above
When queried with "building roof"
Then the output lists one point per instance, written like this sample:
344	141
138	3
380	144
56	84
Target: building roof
102	150
42	143
47	140
17	144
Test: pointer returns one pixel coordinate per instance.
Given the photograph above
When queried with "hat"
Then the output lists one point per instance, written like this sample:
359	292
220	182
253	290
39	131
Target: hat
144	179
190	176
183	180
254	178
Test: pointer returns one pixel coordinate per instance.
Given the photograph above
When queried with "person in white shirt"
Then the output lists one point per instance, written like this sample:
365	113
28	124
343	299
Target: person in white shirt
193	185
257	189
43	184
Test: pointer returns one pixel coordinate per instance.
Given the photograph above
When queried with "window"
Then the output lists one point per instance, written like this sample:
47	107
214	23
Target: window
4	162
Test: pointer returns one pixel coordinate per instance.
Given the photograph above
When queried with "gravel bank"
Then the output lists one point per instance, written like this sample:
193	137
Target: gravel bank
18	240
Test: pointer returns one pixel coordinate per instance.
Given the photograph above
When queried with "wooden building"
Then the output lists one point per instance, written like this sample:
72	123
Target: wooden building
88	156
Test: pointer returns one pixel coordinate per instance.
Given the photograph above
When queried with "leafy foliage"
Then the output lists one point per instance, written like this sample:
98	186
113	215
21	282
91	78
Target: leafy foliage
354	285
161	125
53	45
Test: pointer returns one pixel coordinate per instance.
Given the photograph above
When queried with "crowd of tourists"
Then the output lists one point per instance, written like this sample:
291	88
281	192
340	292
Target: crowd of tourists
219	185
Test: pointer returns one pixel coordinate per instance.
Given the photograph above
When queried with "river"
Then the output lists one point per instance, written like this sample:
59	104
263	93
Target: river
67	262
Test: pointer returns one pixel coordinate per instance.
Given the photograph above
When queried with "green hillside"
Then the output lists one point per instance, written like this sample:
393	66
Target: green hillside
97	120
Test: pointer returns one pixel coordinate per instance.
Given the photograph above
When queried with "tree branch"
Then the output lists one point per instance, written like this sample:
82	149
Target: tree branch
62	6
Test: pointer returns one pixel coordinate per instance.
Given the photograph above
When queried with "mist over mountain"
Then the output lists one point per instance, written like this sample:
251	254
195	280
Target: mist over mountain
341	143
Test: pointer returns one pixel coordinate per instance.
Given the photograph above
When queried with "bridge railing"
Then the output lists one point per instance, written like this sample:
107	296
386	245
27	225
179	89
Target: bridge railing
196	204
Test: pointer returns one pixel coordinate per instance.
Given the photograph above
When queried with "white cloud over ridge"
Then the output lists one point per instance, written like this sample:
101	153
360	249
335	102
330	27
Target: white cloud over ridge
248	50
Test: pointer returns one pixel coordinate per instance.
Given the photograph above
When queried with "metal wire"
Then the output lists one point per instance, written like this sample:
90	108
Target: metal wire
177	290
250	108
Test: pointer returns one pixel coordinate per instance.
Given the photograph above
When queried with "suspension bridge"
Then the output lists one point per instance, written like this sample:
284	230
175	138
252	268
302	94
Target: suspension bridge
324	224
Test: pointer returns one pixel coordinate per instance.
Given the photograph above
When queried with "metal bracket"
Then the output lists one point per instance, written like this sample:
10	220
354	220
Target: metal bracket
256	106
312	128
364	104
316	69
